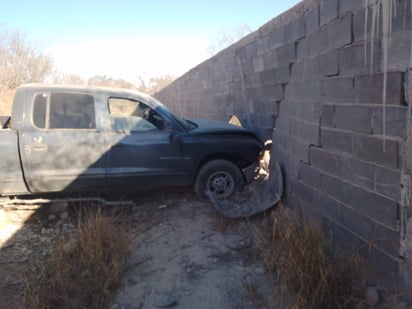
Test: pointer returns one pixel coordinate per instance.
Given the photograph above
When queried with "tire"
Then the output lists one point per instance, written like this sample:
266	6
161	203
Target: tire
221	178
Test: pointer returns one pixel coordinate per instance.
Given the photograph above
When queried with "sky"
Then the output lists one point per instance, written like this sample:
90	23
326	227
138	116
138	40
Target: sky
132	39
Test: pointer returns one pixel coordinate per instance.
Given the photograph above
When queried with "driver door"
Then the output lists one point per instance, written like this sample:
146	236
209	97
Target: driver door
141	151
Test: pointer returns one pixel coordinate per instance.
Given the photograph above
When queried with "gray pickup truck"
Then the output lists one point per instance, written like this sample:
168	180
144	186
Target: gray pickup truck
73	139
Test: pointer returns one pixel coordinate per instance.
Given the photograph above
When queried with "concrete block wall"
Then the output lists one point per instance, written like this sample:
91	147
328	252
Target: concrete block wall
303	80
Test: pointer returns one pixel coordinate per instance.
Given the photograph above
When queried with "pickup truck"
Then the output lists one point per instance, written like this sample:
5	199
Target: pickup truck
74	139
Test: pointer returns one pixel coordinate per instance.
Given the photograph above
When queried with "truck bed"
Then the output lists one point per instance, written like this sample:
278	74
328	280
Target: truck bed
11	176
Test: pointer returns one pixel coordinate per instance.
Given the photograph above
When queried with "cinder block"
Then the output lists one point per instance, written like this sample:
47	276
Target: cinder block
306	131
294	164
271	93
402	21
277	38
375	206
245	51
388	182
302	191
359	25
320	66
357	172
309	175
235	87
262	45
337	188
311	68
352	59
383	264
354	118
258	64
347	6
338	90
324	160
312	20
372	149
328	63
297	71
282	74
271	59
295	30
253	80
309	111
333	139
318	42
251	94
267	77
339	33
258	106
328	11
357	223
282	125
286	54
368	88
328	206
303	49
327	117
299	148
264	120
396	121
303	90
308	212
399	54
340	236
387	240
246	67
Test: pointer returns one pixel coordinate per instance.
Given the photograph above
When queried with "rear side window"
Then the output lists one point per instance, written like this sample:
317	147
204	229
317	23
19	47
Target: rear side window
64	111
39	110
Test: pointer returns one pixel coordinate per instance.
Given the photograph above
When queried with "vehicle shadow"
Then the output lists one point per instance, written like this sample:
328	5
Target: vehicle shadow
31	232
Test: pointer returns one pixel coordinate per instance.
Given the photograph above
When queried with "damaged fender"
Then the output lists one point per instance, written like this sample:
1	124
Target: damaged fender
257	197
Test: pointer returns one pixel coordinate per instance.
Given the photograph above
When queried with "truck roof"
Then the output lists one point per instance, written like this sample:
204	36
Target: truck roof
110	91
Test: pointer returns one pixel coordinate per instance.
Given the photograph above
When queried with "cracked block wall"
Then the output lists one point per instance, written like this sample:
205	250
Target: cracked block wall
304	81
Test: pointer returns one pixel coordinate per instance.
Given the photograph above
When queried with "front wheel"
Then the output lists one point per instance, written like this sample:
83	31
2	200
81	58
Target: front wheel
221	178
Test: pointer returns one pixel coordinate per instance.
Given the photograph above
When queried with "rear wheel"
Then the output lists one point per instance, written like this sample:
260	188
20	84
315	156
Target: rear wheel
221	178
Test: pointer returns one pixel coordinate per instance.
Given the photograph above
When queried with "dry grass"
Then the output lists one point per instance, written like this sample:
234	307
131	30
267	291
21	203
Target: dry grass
305	275
85	269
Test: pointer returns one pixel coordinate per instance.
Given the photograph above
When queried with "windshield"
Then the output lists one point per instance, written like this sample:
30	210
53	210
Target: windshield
184	123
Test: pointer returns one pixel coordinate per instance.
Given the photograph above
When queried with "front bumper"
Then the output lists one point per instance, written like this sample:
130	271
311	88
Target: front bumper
250	172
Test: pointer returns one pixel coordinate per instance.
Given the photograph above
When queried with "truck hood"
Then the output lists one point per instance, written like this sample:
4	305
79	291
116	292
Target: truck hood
206	126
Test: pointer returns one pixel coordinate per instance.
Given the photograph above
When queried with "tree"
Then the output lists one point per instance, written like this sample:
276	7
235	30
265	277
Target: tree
68	79
106	81
226	38
154	84
20	62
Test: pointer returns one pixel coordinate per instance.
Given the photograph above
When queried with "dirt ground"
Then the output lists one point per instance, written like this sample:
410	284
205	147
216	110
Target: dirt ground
185	254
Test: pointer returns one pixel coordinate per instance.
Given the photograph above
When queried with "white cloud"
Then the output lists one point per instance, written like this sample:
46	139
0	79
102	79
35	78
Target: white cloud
130	58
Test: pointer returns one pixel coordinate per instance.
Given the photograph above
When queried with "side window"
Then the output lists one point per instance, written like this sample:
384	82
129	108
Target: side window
64	111
130	115
39	110
72	111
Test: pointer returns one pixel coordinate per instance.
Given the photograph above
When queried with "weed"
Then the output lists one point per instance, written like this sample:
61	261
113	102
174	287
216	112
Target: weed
253	294
85	269
304	272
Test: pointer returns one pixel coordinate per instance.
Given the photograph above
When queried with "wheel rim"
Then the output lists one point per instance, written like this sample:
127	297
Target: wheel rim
220	184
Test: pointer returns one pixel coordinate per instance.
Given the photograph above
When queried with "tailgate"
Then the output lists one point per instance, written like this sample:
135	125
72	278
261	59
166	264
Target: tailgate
11	176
